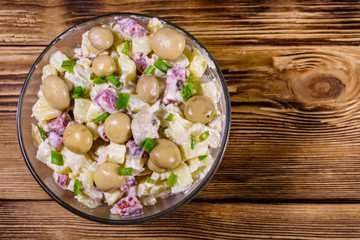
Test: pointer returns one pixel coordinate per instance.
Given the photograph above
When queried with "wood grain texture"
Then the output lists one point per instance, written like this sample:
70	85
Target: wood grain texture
231	22
292	72
19	219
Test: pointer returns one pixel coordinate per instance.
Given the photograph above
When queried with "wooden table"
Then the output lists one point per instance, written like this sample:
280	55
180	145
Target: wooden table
292	165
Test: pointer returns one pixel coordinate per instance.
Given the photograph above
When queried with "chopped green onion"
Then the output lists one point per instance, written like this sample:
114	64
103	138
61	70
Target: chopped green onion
125	171
192	144
171	180
57	158
101	117
161	65
188	89
77	187
68	65
150	180
78	92
42	134
202	157
147	144
122	100
204	136
99	80
92	76
149	70
126	47
190	77
170	117
113	80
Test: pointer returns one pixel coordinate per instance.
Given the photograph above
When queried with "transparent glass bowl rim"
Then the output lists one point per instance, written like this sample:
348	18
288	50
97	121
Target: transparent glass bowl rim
187	198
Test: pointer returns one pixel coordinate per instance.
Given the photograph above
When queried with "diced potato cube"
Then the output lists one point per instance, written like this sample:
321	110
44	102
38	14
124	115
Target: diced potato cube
198	64
93	112
183	175
48	70
136	105
81	108
213	139
113	152
211	90
43	112
127	68
201	148
112	197
78	163
154	24
141	45
86	200
56	59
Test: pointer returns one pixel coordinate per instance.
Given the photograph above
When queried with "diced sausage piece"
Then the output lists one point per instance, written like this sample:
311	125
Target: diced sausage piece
107	101
131	29
62	180
128	183
174	76
54	140
132	149
142	62
143	126
59	124
129	206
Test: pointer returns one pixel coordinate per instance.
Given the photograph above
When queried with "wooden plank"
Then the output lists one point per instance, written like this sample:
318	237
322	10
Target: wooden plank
48	220
229	23
284	144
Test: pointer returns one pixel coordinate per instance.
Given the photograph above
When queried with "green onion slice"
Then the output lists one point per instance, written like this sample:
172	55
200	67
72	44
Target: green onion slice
169	117
101	117
57	158
68	65
192	144
92	76
171	180
125	171
78	92
113	80
150	180
202	157
161	65
99	80
188	89
204	136
147	144
77	187
122	100
126	47
149	70
42	134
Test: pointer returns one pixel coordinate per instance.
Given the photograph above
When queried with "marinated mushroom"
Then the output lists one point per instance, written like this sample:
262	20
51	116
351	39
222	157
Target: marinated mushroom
117	127
167	43
100	38
107	177
199	109
103	65
56	92
165	155
148	88
78	138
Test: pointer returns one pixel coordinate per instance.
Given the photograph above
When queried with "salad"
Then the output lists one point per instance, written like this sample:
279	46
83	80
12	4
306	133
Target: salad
129	117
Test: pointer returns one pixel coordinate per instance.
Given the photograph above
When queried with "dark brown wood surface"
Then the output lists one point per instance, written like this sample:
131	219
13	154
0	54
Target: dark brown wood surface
292	166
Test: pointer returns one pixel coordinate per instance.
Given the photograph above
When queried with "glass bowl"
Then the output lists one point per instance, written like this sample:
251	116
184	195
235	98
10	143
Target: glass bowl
66	42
